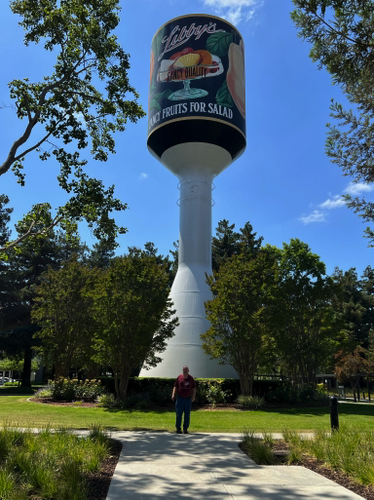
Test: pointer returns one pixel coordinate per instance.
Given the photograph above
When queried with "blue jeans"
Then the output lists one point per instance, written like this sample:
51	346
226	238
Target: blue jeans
183	405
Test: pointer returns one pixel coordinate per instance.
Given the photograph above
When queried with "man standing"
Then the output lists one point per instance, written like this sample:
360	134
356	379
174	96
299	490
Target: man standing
184	391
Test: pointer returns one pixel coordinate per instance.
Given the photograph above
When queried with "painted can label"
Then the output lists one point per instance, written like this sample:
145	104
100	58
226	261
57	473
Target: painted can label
197	71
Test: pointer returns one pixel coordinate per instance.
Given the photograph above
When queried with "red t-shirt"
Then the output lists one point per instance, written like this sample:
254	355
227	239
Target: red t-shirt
184	386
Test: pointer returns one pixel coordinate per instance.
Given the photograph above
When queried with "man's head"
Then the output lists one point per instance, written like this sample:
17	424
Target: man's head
185	371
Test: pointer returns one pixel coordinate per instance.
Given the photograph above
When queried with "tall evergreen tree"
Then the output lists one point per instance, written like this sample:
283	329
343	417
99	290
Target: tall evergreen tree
341	34
24	268
62	307
354	304
228	242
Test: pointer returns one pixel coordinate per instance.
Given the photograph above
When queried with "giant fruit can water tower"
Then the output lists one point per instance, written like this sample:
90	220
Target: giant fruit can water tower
196	128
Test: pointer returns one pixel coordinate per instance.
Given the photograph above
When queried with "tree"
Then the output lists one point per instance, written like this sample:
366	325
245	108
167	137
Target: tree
22	274
305	326
239	314
5	214
228	242
367	287
134	316
151	251
174	260
101	255
6	281
63	310
83	102
354	306
16	365
341	34
351	367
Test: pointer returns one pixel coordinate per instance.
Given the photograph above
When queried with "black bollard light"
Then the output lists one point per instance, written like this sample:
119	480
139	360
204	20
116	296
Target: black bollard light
334	417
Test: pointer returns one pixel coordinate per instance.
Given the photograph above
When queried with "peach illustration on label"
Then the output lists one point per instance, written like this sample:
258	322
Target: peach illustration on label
235	76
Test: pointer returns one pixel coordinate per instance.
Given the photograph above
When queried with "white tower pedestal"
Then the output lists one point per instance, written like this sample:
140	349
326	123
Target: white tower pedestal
190	290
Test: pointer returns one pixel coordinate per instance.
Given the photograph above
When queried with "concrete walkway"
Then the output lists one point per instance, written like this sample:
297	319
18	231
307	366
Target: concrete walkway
160	465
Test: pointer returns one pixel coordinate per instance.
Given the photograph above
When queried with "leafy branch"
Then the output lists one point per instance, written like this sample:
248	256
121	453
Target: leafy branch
69	104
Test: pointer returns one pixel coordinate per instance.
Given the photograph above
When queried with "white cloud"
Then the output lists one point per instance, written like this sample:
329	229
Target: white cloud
359	188
143	176
234	10
315	216
336	202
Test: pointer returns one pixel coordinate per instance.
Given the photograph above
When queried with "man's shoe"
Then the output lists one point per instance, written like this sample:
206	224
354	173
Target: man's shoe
179	431
185	431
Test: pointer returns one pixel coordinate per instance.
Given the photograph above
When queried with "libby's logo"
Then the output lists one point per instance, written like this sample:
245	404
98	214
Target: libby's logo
179	36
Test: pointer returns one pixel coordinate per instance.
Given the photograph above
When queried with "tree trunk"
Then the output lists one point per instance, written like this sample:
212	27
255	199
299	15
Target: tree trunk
26	373
245	385
251	386
59	372
123	384
116	385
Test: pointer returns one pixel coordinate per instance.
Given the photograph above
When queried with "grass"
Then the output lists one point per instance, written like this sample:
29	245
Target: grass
15	410
260	450
48	464
348	450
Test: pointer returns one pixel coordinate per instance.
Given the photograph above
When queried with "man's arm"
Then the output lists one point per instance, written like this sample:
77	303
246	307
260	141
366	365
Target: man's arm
173	393
193	394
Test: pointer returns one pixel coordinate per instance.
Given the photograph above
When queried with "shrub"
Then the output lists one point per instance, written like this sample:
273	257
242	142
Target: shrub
88	390
73	389
106	400
158	390
251	402
43	392
261	452
136	402
215	393
159	393
287	393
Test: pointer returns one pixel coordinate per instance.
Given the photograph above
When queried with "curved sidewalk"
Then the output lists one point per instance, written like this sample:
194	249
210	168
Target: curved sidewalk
161	465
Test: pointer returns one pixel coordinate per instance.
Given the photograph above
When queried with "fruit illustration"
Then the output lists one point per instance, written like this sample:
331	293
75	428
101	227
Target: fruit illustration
206	57
235	76
190	59
186	50
214	68
189	64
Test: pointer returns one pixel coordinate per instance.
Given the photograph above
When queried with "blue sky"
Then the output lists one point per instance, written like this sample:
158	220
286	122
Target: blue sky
284	184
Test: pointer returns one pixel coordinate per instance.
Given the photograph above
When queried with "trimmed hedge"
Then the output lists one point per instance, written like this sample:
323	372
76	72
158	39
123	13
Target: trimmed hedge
158	390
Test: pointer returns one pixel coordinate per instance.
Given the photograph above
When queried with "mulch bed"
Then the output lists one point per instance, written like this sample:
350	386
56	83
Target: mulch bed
339	477
313	464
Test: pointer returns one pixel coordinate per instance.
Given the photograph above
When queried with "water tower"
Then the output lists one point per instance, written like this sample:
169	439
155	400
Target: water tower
196	128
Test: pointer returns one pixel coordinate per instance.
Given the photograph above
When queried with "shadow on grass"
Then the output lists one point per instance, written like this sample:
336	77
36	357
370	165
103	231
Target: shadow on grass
306	411
133	410
16	391
344	409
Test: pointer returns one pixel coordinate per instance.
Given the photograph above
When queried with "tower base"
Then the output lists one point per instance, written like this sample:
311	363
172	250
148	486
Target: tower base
189	292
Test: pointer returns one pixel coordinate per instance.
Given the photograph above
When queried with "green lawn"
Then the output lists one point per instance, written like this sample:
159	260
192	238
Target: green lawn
15	410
